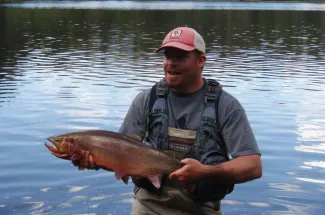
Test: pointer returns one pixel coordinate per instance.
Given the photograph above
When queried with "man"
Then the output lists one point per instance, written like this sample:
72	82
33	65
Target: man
201	124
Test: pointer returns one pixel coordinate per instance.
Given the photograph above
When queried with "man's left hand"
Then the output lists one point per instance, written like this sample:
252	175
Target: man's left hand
192	171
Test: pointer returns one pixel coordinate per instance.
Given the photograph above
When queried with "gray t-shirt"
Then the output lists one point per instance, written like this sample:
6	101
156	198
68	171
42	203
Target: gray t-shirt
185	112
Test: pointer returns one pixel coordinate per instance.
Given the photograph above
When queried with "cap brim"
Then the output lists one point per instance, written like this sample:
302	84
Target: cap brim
177	45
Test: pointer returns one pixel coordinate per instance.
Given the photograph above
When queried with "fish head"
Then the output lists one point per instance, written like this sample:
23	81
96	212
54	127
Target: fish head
56	141
64	146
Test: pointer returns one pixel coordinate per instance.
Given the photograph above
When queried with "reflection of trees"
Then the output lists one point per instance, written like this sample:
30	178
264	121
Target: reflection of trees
132	36
3	39
142	31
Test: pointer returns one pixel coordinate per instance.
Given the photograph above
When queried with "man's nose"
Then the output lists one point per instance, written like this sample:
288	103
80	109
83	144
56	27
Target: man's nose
173	61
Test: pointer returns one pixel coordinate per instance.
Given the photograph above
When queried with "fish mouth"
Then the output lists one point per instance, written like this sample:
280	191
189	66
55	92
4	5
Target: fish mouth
55	148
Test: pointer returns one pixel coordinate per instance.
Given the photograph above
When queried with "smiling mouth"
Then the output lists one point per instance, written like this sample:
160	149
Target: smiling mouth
174	73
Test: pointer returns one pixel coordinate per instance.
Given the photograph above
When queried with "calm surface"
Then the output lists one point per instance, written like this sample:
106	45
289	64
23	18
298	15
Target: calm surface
72	68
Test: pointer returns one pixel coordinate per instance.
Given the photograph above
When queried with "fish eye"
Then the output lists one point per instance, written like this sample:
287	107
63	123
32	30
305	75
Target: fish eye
57	140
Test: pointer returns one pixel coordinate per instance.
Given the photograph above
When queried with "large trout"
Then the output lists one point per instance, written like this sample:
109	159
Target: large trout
123	154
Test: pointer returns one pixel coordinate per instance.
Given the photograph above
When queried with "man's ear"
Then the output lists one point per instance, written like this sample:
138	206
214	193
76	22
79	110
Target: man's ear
202	60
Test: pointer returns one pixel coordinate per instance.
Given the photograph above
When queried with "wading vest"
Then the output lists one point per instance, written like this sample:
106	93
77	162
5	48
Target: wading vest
205	145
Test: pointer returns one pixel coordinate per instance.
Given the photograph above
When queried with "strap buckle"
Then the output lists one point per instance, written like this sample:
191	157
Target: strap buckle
161	89
210	93
213	82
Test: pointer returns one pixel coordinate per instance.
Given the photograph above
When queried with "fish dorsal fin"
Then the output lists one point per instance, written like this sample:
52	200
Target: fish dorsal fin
134	137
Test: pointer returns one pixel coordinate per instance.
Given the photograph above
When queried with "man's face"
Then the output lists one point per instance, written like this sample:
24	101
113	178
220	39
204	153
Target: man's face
183	70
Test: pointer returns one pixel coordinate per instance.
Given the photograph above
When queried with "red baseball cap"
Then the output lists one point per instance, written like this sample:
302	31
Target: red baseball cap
183	38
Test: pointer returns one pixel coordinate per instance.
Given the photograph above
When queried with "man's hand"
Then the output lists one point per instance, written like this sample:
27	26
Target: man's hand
85	161
192	171
235	171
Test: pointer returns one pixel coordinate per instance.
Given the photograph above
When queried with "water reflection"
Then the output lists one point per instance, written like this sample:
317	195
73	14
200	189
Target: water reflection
312	180
46	210
320	164
314	148
286	187
290	207
76	189
99	198
255	204
24	206
73	200
64	70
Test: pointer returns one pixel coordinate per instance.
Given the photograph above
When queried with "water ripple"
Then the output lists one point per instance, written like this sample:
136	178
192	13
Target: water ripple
67	70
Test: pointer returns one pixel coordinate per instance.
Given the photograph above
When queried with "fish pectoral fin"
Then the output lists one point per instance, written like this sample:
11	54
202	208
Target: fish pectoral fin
119	174
122	175
125	179
75	157
155	180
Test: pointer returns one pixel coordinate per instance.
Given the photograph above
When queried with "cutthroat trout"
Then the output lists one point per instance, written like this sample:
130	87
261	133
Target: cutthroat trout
123	154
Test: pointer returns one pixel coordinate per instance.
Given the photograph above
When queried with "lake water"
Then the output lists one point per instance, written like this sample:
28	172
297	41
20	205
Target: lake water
72	66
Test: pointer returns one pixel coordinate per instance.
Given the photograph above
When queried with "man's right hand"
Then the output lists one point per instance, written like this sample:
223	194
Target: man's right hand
86	161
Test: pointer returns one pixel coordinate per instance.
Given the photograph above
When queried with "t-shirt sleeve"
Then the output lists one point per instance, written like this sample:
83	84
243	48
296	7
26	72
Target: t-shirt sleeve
236	130
135	119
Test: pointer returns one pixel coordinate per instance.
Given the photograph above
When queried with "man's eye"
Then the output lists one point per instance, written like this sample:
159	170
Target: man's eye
182	57
176	56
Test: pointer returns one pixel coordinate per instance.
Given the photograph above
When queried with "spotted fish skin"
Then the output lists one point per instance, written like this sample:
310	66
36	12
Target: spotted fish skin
123	154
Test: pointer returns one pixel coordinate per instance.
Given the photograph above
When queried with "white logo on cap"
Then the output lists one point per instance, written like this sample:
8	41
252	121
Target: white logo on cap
176	33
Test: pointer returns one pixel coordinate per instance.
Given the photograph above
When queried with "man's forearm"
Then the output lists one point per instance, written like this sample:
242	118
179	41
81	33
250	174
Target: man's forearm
238	170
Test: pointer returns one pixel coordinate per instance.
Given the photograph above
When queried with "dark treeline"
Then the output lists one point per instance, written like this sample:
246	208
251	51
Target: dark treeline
60	30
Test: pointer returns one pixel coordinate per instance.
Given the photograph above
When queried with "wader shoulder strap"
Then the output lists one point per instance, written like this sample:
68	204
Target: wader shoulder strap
209	146
210	112
156	128
152	97
159	90
212	97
